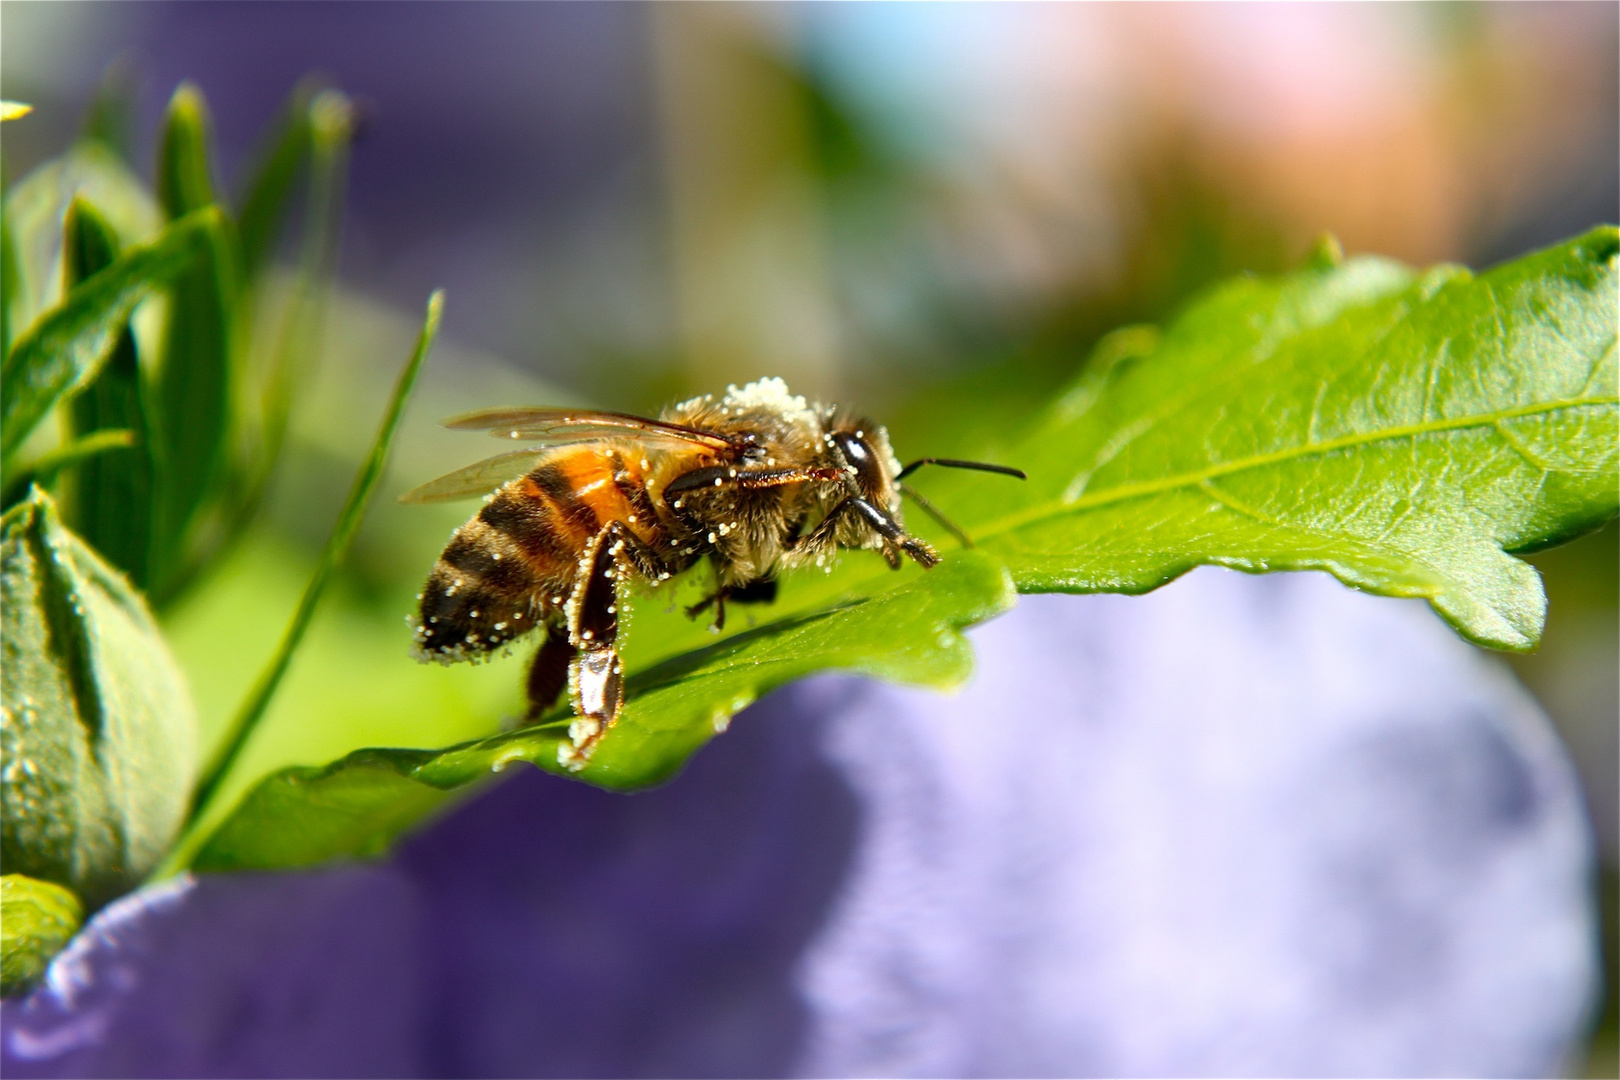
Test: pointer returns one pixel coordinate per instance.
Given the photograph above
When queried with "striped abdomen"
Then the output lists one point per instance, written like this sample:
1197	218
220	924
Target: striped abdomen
514	566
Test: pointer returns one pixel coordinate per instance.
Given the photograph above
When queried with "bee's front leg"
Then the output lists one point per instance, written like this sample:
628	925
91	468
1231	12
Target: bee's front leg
595	671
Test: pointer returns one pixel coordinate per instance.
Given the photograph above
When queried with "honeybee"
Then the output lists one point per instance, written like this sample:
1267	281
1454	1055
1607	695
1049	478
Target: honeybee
758	482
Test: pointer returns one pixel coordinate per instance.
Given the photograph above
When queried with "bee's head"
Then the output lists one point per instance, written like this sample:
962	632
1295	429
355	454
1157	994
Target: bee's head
864	447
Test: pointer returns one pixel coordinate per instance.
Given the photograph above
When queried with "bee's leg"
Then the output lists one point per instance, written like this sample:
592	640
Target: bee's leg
548	672
824	534
716	600
595	671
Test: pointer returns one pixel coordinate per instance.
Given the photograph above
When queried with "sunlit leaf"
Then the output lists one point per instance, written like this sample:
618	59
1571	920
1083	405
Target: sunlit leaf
98	734
36	919
1402	431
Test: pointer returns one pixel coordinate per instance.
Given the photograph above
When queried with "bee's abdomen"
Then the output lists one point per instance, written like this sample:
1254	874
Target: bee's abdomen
499	577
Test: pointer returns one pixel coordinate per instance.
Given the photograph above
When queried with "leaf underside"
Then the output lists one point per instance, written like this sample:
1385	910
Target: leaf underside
1402	431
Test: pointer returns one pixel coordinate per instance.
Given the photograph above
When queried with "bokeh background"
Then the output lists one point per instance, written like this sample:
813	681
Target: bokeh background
932	211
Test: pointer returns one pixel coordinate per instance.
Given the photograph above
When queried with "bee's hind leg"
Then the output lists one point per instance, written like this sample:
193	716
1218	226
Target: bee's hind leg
595	671
548	672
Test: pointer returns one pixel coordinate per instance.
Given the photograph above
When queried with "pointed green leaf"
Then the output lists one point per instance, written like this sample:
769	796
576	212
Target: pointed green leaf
36	920
65	349
185	171
192	406
98	734
111	504
1402	431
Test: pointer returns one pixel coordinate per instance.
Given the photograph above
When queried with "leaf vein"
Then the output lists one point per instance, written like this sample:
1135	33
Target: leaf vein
1171	483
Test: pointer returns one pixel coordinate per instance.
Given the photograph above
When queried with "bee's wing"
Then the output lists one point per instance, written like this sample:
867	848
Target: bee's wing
550	427
480	478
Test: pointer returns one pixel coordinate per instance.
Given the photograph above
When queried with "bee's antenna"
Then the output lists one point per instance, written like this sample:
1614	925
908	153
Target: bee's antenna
955	464
934	512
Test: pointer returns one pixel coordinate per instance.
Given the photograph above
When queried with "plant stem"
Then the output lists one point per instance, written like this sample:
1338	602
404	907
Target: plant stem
337	546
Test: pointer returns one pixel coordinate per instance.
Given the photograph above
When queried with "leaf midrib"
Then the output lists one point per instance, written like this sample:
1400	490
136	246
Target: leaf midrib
1125	492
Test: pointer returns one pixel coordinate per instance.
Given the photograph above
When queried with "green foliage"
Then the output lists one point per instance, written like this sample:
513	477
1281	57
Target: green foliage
206	391
65	349
99	738
171	417
908	632
195	383
36	920
112	507
1397	429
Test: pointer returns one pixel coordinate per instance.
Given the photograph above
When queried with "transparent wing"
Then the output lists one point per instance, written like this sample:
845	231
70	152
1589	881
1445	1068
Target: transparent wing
480	478
551	427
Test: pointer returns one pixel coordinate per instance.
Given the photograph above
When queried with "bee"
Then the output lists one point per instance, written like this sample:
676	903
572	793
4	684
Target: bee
758	482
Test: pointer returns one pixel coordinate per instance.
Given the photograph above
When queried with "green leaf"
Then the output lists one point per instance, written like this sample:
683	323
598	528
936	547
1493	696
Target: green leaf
36	920
185	173
37	205
8	279
195	380
111	504
909	632
1402	431
99	736
65	349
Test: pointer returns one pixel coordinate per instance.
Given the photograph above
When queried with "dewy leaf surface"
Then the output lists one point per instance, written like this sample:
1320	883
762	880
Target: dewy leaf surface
909	632
1402	431
97	731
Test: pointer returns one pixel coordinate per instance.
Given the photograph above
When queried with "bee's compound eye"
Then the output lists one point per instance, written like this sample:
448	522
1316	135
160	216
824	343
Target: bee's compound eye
852	447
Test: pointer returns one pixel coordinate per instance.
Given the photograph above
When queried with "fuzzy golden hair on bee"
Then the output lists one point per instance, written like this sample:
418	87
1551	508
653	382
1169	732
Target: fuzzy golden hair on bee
757	481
